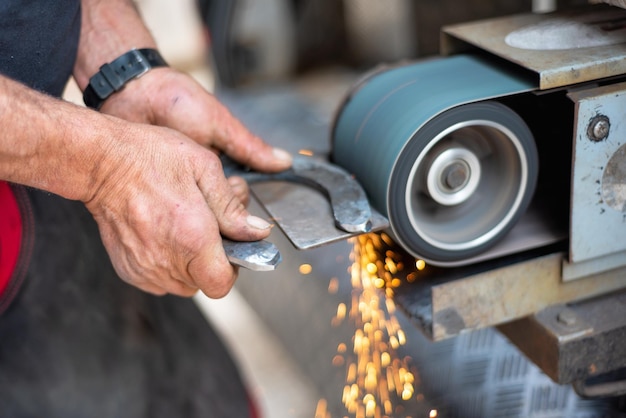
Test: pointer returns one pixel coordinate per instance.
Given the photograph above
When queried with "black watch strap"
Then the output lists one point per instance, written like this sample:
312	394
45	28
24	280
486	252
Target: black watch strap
113	76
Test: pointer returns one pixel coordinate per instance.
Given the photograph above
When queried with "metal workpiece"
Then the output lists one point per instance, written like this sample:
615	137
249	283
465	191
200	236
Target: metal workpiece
304	215
575	342
560	48
252	255
347	199
351	213
349	203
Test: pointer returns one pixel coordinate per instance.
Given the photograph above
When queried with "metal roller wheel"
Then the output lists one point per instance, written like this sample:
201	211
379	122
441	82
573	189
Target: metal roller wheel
462	181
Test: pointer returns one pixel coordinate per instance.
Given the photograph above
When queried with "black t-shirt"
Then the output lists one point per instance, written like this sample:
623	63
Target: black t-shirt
38	42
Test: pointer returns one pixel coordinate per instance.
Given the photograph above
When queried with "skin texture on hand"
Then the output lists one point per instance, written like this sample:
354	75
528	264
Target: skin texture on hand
161	209
167	97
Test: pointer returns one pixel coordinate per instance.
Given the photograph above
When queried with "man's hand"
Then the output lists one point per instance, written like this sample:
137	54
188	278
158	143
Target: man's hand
164	202
167	97
161	206
160	199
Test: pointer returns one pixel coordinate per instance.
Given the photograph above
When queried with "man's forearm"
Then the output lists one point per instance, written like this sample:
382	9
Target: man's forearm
109	29
50	144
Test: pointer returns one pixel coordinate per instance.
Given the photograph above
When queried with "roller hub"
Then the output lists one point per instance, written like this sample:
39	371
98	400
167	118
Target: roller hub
462	182
453	176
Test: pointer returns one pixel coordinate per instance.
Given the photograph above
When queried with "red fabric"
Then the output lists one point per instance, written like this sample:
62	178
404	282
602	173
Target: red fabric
10	234
254	411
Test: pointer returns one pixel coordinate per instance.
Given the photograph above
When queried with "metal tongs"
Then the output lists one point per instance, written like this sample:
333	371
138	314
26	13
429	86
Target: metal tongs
348	201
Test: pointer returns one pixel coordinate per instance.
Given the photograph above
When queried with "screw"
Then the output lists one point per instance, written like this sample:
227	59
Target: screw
598	128
455	175
567	317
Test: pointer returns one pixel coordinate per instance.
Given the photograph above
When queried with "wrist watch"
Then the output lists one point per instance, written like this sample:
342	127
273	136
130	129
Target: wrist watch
113	76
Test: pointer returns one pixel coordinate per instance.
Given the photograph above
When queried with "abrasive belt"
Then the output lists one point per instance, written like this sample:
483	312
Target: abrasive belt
382	116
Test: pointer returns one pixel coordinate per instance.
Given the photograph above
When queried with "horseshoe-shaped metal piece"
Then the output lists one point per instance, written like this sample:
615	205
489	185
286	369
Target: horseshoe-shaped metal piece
347	199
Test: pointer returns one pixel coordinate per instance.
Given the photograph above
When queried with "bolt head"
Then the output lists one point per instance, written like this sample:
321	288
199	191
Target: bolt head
456	175
567	317
598	128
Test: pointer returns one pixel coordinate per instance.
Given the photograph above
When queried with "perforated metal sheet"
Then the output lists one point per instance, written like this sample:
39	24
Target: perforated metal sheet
480	375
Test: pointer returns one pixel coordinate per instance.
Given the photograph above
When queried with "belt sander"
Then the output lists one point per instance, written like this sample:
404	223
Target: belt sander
509	141
502	164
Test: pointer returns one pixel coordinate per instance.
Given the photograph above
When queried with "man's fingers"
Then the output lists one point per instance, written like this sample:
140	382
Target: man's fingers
214	275
257	154
234	220
240	189
236	141
182	104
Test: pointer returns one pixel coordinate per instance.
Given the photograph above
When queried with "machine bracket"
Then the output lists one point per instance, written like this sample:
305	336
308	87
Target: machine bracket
574	342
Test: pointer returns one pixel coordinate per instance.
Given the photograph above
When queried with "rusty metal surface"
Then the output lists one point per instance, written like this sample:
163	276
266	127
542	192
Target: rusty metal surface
599	175
562	48
446	303
574	342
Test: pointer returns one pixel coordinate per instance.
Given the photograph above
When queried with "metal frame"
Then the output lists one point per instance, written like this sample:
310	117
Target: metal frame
574	342
445	303
553	68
